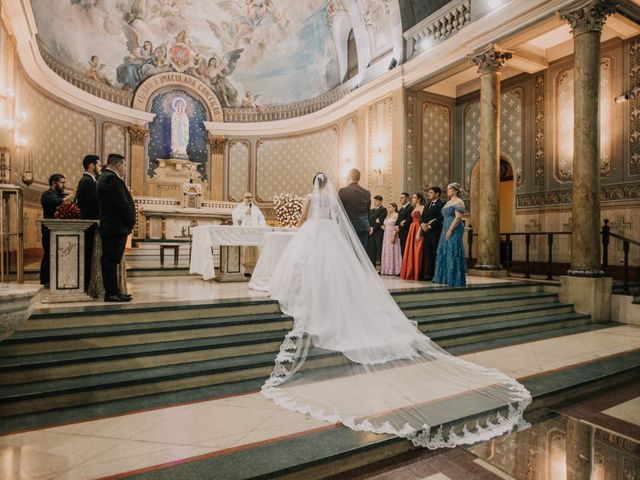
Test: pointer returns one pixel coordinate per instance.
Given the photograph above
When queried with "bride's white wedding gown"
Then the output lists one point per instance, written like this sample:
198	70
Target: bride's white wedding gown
354	357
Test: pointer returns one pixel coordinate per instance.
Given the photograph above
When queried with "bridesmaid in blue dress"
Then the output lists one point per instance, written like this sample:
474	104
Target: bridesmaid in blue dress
451	264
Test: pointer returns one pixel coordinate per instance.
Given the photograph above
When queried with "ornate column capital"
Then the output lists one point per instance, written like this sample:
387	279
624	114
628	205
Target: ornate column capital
587	15
217	144
137	134
490	59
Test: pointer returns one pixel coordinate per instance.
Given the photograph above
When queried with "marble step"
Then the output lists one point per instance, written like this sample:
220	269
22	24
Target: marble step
96	337
133	313
31	340
119	314
136	381
154	399
461	335
431	323
435	292
262	335
449	305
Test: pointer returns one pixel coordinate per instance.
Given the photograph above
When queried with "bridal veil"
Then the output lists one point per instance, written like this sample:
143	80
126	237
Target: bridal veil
354	357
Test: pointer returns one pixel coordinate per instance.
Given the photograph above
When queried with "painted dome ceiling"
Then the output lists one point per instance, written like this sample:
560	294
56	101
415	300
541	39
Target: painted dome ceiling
248	51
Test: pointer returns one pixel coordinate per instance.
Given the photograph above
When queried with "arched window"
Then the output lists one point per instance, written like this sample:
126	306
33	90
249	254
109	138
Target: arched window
352	57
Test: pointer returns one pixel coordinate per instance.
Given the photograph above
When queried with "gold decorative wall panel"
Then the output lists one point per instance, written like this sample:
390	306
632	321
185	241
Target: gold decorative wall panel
563	159
113	140
436	145
287	165
634	108
511	132
379	147
238	170
59	136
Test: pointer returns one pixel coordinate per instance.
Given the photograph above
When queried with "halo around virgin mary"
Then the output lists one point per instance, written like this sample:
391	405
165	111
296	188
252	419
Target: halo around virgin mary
179	128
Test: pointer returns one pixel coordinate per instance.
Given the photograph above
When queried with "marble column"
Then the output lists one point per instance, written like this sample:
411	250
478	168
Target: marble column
586	20
217	145
137	137
490	62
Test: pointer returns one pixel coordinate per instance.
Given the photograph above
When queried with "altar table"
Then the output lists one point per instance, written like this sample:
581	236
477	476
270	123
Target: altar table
229	238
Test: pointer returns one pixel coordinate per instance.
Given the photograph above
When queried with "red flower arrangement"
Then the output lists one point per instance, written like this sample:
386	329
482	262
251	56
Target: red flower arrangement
68	211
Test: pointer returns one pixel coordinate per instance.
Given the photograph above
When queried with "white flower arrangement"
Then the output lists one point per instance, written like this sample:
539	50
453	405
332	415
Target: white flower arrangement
288	208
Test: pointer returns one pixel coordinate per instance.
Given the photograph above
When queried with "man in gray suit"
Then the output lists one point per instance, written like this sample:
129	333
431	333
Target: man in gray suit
357	203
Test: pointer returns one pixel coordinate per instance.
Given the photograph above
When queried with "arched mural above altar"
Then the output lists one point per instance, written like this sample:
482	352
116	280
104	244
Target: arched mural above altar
249	51
177	135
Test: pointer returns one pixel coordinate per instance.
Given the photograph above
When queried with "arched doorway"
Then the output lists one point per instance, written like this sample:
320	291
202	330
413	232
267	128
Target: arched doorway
506	195
506	201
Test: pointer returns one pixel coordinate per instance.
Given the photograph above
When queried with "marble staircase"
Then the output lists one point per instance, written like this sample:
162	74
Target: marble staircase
81	362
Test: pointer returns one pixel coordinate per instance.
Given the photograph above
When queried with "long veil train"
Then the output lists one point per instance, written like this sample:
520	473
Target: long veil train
354	357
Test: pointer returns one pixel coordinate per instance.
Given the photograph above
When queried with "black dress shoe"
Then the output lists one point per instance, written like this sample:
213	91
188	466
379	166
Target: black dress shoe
117	298
126	295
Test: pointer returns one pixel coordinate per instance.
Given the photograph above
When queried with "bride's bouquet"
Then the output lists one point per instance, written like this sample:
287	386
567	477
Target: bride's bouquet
288	208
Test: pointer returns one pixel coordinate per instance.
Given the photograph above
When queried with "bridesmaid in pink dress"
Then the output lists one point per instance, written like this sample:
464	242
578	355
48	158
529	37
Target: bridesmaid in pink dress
391	257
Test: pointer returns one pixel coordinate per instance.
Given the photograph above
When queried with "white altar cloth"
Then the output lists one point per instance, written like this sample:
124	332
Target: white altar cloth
208	237
274	246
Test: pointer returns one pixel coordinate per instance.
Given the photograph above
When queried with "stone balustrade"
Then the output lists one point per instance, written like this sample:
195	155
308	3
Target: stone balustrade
438	26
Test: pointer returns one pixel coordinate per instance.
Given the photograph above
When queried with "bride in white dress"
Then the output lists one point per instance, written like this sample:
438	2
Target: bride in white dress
354	357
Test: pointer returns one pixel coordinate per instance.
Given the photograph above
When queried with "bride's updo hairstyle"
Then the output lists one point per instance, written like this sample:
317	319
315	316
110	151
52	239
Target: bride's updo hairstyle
322	180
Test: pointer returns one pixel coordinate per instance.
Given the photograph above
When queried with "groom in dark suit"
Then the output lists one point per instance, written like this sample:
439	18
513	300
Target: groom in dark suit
87	200
117	219
431	224
357	201
403	221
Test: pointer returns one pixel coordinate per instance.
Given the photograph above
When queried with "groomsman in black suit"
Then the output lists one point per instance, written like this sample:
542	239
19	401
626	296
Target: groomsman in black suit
404	219
50	200
431	224
117	219
357	201
87	200
376	233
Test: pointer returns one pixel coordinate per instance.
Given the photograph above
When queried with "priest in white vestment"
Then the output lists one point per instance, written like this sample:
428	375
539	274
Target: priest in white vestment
247	214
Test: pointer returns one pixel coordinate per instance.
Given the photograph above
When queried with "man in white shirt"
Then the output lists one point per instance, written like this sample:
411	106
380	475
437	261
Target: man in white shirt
246	214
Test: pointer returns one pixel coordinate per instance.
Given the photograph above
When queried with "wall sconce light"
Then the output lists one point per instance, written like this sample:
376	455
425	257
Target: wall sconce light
378	161
27	166
622	98
346	167
378	166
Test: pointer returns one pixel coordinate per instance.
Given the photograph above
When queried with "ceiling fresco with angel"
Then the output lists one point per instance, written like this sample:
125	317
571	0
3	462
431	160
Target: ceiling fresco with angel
251	52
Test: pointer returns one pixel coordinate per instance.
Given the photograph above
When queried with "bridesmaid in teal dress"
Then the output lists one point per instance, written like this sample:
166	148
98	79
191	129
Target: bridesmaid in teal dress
451	264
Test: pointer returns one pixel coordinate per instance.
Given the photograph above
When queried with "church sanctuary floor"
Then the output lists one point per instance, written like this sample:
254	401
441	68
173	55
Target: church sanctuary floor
247	436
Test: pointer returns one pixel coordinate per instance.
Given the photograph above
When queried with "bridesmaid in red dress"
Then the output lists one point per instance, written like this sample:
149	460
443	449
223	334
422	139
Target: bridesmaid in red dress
412	259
